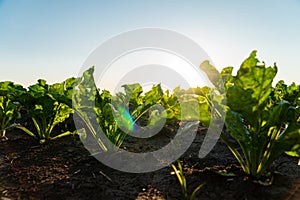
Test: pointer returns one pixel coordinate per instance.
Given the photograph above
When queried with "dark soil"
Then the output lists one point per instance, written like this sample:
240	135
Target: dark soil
63	169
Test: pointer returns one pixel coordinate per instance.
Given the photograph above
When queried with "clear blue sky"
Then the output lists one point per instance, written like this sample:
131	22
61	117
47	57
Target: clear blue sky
51	39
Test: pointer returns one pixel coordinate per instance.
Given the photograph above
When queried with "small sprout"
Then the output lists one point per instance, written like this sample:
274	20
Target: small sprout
181	178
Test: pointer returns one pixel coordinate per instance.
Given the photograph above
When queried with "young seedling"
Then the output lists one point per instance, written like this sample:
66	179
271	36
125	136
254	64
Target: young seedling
182	181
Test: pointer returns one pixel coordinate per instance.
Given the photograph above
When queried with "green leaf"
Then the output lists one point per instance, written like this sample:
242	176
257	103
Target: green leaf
189	105
234	124
227	77
213	75
256	78
154	95
63	92
278	114
133	92
251	89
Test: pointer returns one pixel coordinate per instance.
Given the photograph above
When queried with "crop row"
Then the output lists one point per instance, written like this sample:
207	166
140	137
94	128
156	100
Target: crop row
263	120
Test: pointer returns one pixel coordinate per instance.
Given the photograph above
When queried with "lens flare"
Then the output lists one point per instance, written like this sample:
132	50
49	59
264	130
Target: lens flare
126	119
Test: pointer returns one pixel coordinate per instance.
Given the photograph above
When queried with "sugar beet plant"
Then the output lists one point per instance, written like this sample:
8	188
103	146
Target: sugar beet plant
264	128
116	115
156	107
94	111
9	107
132	111
47	106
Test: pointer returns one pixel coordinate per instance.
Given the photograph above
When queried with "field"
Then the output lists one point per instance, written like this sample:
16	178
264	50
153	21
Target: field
64	170
46	131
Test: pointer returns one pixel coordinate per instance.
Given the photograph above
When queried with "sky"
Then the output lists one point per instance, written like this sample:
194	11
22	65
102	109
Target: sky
52	39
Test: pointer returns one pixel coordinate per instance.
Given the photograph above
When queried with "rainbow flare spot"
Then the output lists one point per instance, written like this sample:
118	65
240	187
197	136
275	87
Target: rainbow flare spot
126	118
